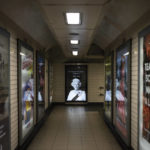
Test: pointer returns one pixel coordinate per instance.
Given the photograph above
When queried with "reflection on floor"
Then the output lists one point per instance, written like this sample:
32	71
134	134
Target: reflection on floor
74	128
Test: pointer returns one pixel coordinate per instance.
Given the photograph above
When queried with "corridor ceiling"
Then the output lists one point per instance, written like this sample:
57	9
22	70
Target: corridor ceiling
102	22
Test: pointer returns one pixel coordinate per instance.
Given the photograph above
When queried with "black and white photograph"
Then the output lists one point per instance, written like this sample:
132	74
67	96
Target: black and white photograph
76	83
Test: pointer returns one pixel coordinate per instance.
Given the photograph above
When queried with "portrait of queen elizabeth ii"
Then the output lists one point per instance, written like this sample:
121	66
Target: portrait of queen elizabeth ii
76	94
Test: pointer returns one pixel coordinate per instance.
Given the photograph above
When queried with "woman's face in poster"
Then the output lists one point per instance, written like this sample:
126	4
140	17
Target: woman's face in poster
76	84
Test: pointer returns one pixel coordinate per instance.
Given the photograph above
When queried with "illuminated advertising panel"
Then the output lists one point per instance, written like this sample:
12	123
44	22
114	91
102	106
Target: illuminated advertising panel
76	83
122	120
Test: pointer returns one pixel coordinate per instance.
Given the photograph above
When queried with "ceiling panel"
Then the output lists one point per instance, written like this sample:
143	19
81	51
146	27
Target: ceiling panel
27	16
69	33
56	16
62	30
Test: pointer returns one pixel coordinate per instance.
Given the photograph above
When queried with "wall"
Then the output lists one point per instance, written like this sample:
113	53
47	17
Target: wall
95	80
132	33
15	33
13	92
59	82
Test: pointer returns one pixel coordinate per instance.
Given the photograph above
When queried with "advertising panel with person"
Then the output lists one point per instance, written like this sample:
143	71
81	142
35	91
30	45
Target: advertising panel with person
144	90
26	89
76	83
123	91
4	90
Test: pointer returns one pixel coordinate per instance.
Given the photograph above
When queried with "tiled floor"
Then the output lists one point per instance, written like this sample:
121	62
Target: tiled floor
74	128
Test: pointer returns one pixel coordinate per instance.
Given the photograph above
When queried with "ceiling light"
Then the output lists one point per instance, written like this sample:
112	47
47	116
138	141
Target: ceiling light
73	18
127	53
22	54
74	41
74	53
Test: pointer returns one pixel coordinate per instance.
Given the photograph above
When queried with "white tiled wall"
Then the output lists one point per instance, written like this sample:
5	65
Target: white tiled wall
134	92
13	92
59	82
95	80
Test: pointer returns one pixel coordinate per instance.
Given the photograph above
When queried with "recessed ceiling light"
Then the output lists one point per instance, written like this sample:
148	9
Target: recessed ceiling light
74	41
127	53
73	18
22	54
74	53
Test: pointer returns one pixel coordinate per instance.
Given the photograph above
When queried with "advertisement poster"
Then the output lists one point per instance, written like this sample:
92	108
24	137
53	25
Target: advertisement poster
26	87
76	83
50	81
40	86
144	107
4	90
123	91
108	88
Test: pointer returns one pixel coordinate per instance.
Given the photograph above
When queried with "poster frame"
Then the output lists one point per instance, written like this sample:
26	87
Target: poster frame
20	44
49	66
38	53
110	121
5	33
76	102
128	45
141	34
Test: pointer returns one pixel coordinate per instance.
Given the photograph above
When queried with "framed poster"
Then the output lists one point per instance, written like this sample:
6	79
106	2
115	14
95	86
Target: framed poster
26	89
144	89
122	119
40	86
108	104
50	82
4	89
76	83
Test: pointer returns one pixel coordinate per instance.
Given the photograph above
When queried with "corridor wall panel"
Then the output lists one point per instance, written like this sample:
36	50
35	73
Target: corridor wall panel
13	92
134	94
95	81
59	82
132	33
15	32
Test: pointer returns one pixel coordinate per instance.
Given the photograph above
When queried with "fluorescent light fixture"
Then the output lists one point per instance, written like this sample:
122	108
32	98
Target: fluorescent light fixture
74	53
73	18
74	41
127	53
22	54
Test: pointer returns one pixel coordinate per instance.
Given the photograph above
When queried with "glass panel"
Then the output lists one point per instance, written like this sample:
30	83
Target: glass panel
40	86
27	90
4	91
123	92
76	83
